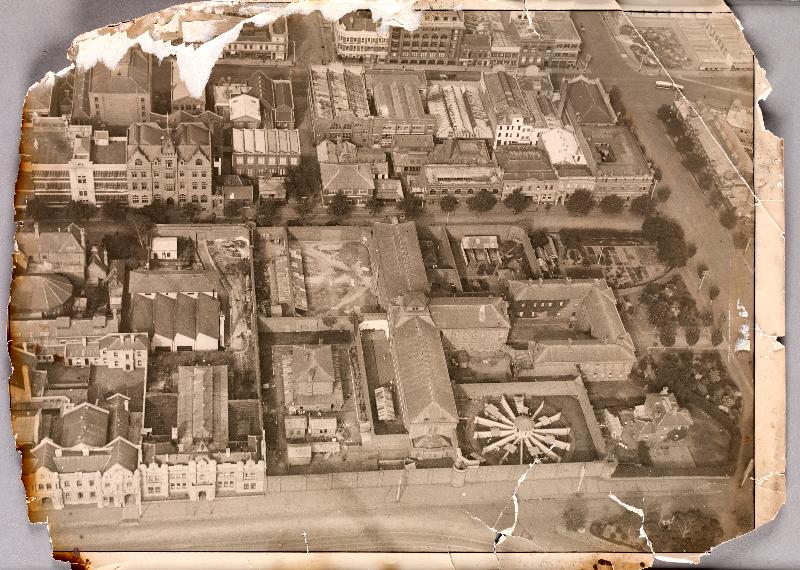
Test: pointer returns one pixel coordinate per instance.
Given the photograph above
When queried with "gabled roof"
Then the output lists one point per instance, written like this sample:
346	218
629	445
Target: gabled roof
312	370
147	282
51	243
84	424
469	312
203	404
343	177
422	379
398	260
589	101
43	455
131	75
123	453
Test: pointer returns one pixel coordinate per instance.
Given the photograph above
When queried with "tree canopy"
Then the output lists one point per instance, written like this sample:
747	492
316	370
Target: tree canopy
643	205
516	201
612	204
339	206
81	211
374	206
410	206
303	180
448	203
580	202
483	201
115	210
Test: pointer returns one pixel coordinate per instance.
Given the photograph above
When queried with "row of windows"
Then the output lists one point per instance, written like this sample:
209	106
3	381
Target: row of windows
182	173
434	191
157	186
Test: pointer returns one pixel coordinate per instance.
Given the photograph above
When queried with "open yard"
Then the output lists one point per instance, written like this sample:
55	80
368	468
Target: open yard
338	277
623	265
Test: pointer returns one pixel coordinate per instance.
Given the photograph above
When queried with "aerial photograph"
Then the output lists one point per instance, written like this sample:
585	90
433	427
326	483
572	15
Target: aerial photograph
486	285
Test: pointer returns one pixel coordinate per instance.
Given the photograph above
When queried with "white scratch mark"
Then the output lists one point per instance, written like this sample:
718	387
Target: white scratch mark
637	511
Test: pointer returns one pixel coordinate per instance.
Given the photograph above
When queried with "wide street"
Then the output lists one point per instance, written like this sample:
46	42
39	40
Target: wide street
730	270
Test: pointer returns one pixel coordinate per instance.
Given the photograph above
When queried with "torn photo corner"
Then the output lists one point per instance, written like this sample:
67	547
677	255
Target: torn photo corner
429	285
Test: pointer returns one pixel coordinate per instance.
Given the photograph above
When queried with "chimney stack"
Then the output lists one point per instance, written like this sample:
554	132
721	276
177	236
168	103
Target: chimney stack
83	238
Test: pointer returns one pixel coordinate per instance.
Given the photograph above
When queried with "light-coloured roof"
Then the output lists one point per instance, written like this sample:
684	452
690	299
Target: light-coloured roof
469	312
244	106
398	261
266	141
343	177
161	243
562	146
148	282
39	293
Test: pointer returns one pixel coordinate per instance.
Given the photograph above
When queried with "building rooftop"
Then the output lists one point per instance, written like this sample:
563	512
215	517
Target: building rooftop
459	111
397	94
544	25
562	146
244	106
505	98
151	282
469	312
423	382
359	21
398	261
203	406
460	152
589	101
338	91
350	176
615	151
266	141
131	75
39	293
524	161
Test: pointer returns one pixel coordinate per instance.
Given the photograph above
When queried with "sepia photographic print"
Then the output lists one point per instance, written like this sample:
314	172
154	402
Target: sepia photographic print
362	284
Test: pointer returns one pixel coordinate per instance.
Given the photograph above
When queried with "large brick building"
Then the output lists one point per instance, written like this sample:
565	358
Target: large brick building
437	40
170	166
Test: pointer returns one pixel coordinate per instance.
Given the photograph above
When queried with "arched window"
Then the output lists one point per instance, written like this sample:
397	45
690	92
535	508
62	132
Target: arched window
157	198
195	199
135	199
204	199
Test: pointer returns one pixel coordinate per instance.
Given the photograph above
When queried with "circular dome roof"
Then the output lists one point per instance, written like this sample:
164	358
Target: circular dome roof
40	293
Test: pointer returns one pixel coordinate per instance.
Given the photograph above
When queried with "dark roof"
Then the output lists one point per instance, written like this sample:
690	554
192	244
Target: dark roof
132	75
589	102
167	316
39	293
87	424
203	404
460	151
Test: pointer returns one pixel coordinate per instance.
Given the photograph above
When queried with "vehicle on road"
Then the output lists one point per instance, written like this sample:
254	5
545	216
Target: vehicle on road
668	85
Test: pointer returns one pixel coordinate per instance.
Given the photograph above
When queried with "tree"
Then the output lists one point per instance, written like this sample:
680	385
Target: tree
538	238
612	204
233	208
668	335
329	320
664	112
685	144
38	209
303	180
191	211
701	269
672	251
115	210
339	206
81	211
374	206
580	202
692	334
303	208
688	531
713	292
717	337
707	318
642	205
410	206
691	249
155	213
266	211
119	246
615	98
448	203
695	162
663	193
575	516
657	173
727	218
516	201
483	201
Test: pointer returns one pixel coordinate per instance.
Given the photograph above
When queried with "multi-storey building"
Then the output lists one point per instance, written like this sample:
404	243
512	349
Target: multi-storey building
181	99
512	121
115	97
473	324
618	164
526	168
265	43
355	172
264	152
437	40
66	162
358	39
171	166
437	180
584	101
276	99
54	251
486	42
339	105
547	38
410	153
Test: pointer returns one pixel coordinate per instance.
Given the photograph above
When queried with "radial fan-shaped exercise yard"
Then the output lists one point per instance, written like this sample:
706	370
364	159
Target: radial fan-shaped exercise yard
529	434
